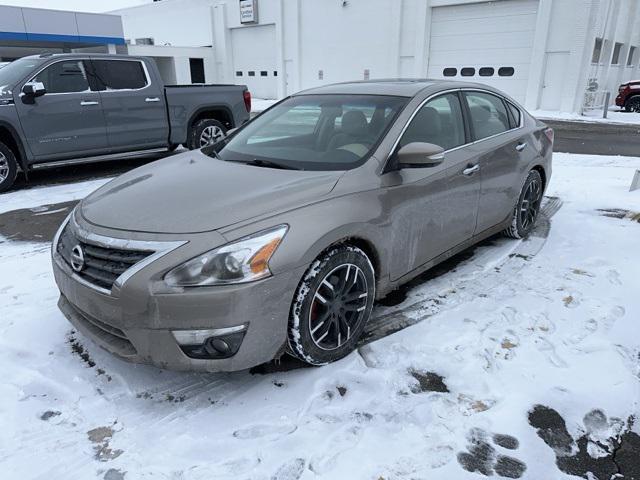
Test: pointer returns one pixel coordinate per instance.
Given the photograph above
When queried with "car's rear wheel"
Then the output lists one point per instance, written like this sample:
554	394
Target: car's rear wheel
633	105
528	206
8	168
206	132
331	306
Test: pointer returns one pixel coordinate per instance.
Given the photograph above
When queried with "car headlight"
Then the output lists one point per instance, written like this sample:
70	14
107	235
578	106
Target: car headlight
244	260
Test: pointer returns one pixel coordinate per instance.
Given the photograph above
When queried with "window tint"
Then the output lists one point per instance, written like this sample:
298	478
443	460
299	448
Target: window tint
439	122
486	71
615	59
64	77
515	115
119	74
506	71
597	51
468	72
488	114
631	56
450	72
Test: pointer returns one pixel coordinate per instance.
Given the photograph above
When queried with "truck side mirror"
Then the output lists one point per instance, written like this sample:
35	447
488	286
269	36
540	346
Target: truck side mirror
420	154
33	89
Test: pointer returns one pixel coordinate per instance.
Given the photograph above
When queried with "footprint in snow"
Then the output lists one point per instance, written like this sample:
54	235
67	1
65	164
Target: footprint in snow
606	447
260	431
483	457
291	470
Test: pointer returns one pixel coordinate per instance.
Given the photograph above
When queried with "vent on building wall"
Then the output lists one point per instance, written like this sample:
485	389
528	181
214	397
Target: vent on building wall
145	41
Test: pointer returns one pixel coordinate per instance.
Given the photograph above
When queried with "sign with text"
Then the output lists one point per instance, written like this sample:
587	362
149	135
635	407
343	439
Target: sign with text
248	11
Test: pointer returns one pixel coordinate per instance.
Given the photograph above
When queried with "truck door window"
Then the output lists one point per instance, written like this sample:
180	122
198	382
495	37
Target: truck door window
120	74
64	77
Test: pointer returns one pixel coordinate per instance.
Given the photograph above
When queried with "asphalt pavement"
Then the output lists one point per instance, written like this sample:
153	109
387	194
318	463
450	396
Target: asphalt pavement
596	138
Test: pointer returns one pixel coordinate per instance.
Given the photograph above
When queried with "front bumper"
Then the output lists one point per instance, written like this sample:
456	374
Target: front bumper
136	320
620	100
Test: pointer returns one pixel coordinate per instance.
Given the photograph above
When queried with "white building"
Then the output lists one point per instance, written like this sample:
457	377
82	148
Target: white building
546	53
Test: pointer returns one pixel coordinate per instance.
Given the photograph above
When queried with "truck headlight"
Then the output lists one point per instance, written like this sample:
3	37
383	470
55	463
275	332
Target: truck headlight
244	260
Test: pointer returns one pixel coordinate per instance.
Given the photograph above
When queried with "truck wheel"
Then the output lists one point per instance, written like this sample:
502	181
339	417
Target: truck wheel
633	105
206	132
331	306
8	168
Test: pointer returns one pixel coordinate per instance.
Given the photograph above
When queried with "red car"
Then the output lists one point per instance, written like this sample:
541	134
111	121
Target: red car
629	96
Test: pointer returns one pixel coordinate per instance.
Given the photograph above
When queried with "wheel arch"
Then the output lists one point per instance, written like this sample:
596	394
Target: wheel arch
10	138
543	175
220	113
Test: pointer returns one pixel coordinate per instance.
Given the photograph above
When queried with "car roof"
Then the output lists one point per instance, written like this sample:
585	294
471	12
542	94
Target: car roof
403	87
46	56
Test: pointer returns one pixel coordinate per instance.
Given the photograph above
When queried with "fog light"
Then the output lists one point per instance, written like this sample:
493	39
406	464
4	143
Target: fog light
217	346
210	344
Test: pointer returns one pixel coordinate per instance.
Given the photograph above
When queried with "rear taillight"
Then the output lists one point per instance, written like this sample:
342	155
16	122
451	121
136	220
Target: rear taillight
549	133
247	100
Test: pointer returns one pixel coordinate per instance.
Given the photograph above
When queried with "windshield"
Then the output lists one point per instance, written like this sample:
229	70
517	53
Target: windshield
16	71
314	132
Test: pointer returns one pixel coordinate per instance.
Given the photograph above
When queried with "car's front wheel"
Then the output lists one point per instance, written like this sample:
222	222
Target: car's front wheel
8	168
526	211
332	304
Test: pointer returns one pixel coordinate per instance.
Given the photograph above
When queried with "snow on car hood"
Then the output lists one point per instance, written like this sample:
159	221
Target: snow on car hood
192	192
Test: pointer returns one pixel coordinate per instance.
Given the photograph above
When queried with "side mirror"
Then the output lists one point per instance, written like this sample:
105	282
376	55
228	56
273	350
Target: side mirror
419	154
34	89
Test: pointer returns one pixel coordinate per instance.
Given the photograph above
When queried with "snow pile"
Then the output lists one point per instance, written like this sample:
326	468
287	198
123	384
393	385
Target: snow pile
561	330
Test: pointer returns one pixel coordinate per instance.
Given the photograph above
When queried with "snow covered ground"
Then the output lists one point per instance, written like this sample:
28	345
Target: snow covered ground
510	331
260	104
595	116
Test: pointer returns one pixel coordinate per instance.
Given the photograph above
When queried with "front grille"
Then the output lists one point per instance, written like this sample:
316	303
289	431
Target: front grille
102	265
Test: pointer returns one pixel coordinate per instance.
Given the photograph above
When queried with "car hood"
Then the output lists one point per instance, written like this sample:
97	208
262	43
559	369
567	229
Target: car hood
191	193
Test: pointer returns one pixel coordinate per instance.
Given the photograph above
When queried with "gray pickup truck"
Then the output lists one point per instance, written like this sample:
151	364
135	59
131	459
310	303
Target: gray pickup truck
72	108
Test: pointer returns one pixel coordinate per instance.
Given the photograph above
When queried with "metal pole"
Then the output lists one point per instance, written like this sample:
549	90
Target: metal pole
605	109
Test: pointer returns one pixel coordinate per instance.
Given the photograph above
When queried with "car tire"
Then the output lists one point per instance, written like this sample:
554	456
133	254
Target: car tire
206	132
633	105
8	168
526	211
332	305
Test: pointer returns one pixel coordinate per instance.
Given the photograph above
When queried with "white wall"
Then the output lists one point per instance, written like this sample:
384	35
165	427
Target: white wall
180	23
177	58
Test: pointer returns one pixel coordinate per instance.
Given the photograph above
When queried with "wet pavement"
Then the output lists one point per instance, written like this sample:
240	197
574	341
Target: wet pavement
38	224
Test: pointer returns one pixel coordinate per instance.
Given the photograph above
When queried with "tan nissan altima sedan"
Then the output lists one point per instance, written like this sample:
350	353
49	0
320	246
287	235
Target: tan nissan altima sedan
280	237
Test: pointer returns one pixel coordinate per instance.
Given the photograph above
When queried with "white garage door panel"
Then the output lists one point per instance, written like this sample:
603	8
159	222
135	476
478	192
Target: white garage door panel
490	34
254	50
495	41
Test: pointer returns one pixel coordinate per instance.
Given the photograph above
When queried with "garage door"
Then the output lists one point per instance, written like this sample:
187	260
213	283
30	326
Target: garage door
254	59
487	42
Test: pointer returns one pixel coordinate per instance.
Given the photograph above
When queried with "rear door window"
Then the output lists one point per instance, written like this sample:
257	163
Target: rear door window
488	114
439	121
515	115
119	74
64	77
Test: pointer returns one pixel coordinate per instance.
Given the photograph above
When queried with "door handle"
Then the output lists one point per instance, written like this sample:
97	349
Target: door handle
151	99
471	170
521	146
84	103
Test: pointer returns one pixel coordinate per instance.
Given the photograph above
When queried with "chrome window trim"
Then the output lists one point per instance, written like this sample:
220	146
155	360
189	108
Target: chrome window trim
158	249
89	59
444	92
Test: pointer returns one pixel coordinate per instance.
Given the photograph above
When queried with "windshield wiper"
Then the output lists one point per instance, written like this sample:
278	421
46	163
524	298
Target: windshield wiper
265	163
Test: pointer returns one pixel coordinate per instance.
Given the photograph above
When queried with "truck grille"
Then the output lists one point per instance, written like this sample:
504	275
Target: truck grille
101	265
